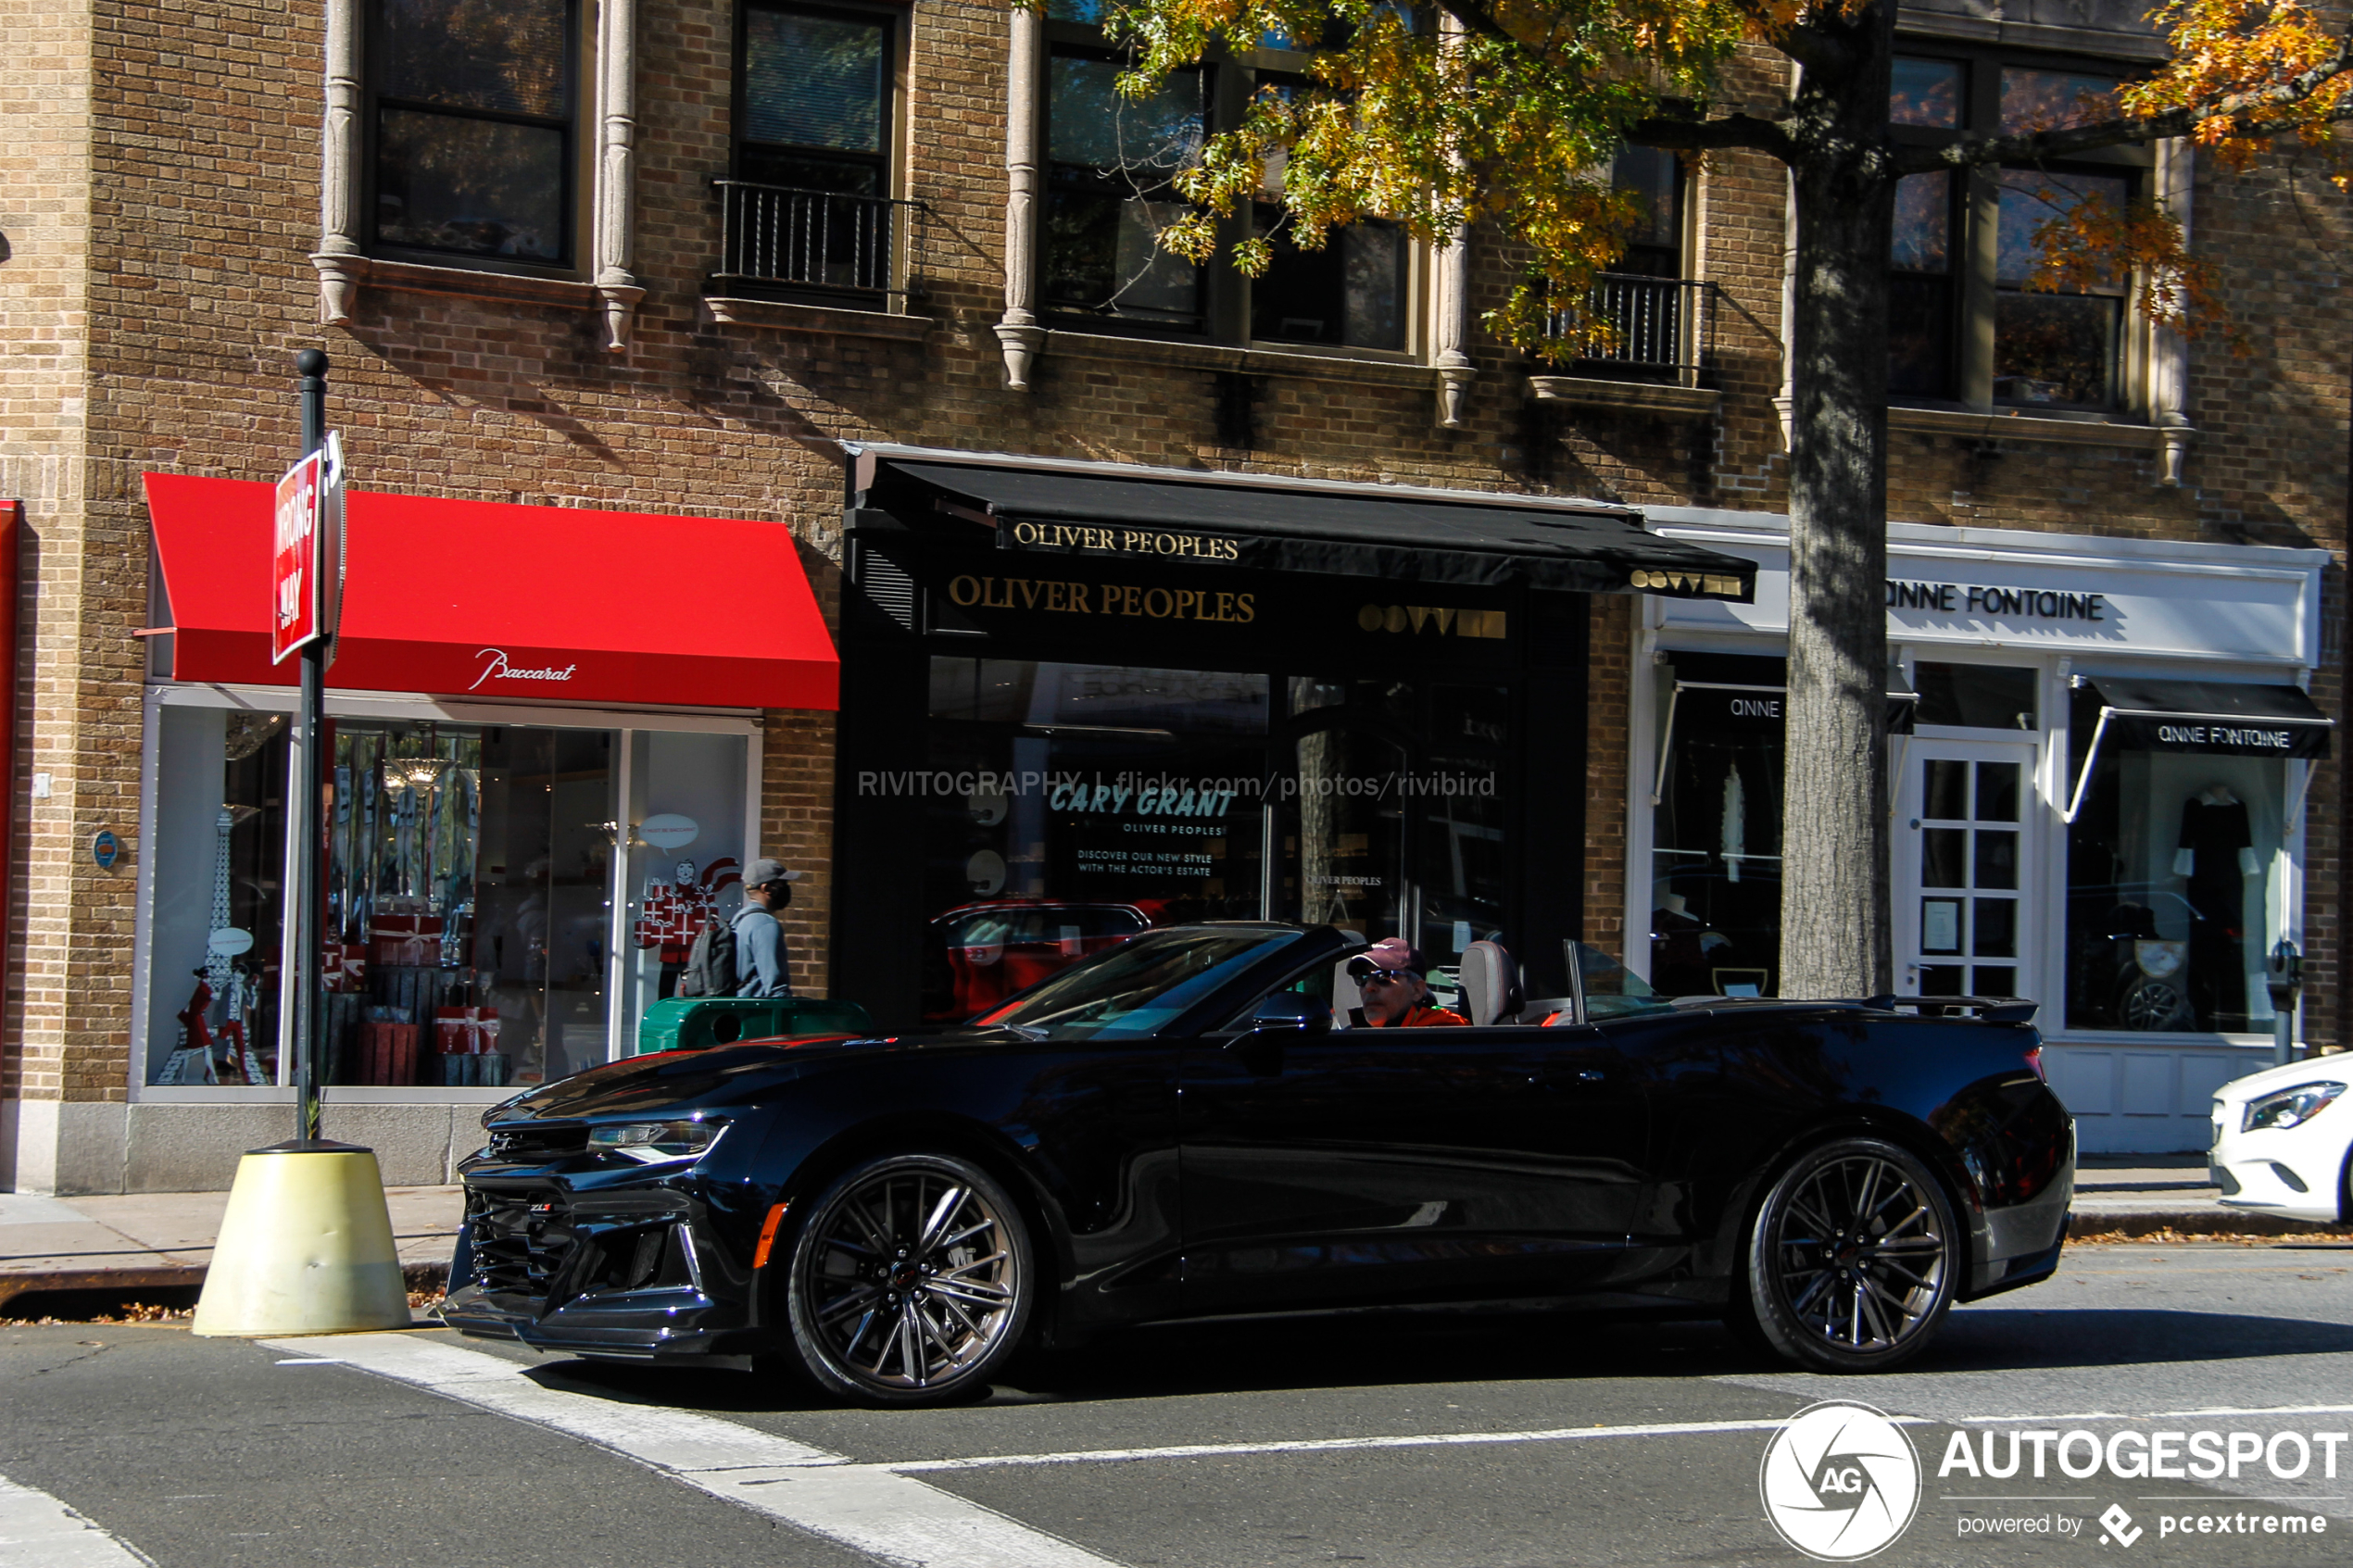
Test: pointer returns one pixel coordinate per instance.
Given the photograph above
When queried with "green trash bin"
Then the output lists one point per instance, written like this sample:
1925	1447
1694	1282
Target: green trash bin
695	1023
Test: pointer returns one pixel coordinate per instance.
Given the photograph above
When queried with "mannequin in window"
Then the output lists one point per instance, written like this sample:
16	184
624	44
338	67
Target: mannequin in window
2216	854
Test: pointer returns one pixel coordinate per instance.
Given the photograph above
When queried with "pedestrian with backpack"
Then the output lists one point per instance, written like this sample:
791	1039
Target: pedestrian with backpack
746	957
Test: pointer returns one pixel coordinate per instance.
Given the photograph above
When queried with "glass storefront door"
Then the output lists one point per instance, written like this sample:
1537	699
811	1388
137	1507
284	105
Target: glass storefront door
1962	858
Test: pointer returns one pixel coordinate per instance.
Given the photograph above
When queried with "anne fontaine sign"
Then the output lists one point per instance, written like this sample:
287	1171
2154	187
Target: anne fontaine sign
2009	604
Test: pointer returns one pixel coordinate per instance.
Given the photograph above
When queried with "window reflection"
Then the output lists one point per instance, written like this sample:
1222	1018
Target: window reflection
472	126
1927	93
1919	304
2049	100
1111	192
2058	348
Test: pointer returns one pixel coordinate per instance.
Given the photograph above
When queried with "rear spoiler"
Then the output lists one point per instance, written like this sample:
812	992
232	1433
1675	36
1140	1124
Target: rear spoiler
1992	1010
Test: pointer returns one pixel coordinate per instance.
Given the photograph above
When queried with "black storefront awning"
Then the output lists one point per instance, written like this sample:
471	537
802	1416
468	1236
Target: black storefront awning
2201	717
1417	536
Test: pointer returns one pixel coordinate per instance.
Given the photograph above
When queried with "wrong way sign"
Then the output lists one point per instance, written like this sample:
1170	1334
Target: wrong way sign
305	574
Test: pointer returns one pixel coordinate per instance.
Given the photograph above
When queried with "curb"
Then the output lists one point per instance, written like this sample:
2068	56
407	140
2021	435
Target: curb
418	1276
2199	1221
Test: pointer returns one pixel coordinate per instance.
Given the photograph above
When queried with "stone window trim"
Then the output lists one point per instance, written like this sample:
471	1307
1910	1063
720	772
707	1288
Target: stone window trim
342	259
2153	399
1023	335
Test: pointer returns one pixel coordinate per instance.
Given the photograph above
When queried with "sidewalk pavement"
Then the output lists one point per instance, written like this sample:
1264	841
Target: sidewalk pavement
141	1241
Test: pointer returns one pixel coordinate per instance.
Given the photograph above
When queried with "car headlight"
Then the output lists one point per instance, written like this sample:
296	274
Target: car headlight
656	1140
2289	1108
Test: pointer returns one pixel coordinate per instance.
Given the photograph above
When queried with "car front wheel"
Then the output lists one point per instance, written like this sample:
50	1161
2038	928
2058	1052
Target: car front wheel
1852	1258
911	1282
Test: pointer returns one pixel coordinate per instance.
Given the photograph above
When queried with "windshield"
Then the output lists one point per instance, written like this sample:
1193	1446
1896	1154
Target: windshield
1140	985
1609	988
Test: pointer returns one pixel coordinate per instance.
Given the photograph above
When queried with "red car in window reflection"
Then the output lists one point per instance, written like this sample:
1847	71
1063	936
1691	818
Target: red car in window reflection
976	955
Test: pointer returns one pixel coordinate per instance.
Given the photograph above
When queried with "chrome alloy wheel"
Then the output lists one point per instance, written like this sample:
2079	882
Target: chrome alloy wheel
1862	1255
910	1280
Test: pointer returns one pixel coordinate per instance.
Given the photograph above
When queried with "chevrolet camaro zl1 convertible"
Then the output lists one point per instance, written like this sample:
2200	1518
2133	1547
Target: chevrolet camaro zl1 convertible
1186	1125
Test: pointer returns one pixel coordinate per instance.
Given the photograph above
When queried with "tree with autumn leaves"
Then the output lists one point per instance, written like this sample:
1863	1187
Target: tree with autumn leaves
1509	113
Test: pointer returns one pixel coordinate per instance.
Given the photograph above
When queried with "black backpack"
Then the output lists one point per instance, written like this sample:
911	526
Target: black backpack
710	963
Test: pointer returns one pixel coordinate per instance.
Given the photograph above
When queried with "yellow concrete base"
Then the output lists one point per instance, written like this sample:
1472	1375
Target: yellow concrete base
306	1248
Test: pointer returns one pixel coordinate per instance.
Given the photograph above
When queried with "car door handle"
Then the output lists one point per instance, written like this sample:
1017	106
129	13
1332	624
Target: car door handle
1559	1077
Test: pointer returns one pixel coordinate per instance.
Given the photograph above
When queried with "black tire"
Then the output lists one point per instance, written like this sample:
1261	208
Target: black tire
912	1281
1852	1258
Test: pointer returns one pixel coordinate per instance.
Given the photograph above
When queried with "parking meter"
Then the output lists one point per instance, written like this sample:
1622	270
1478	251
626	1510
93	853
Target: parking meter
2283	977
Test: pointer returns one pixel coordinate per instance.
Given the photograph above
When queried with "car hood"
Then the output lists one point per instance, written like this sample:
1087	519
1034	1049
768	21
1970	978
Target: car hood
675	1082
2338	1069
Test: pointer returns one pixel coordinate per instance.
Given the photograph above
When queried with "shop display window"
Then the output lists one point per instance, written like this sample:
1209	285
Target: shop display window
1071	806
1090	801
2175	872
1715	832
467	914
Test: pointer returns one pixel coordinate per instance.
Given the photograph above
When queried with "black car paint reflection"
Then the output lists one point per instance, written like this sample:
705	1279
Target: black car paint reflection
1201	1169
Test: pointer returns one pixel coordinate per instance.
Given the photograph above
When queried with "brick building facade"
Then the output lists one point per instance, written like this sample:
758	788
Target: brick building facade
165	257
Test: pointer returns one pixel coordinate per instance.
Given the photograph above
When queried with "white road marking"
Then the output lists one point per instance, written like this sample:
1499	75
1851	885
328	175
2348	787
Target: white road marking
871	1508
1343	1445
2165	1415
37	1531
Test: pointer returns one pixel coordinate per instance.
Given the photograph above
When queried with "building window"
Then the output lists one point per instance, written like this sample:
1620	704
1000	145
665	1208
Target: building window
809	208
1348	293
472	115
1110	190
1653	177
1962	324
816	100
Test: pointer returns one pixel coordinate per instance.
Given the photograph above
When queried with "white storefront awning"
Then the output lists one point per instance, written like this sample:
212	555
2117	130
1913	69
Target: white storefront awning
2044	593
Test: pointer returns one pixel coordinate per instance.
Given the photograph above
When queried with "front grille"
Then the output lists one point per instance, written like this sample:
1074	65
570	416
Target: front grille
531	1243
536	1142
521	1241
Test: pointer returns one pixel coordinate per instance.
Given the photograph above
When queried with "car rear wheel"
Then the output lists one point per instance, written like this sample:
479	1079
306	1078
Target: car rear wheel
1852	1258
910	1282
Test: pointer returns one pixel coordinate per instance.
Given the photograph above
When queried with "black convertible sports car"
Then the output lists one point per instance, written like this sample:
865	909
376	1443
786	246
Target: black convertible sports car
1184	1126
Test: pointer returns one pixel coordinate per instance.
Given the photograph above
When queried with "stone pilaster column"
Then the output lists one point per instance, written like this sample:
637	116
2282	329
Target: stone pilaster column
340	258
2169	351
617	169
1018	330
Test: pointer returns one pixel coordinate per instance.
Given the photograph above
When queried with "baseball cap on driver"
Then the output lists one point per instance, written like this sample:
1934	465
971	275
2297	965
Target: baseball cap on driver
1391	954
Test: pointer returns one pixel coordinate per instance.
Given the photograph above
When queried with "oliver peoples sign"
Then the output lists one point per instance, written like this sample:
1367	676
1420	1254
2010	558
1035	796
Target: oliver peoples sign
1058	597
1107	539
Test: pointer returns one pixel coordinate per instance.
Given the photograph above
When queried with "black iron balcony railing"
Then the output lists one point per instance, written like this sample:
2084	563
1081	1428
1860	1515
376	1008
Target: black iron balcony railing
830	241
1656	326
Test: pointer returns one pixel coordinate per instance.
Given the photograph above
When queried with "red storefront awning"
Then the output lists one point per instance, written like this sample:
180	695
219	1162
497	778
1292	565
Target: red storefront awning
480	599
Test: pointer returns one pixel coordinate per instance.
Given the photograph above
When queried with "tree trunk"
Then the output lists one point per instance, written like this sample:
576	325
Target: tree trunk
1835	937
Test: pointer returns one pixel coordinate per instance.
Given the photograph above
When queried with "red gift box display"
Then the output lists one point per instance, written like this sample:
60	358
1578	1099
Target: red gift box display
674	913
388	1053
405	939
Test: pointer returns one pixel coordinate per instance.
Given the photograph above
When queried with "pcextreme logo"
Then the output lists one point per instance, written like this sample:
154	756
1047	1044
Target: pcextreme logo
1840	1481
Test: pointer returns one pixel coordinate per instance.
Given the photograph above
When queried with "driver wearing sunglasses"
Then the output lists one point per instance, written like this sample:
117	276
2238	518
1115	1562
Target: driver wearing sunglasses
1392	978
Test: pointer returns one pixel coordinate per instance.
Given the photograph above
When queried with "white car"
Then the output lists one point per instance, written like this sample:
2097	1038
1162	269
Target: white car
2281	1139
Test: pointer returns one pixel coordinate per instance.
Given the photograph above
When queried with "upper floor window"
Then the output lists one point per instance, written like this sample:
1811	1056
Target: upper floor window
473	108
1962	321
807	213
816	99
1112	161
1348	293
1653	177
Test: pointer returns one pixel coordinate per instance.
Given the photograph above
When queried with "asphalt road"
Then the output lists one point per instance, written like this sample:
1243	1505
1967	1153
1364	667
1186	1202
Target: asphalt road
1429	1441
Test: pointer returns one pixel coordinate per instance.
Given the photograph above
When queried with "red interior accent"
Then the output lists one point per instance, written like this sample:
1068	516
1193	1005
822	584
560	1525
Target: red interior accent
506	603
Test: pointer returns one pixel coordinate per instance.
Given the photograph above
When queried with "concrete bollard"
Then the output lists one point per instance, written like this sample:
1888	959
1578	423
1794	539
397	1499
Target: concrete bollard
305	1247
